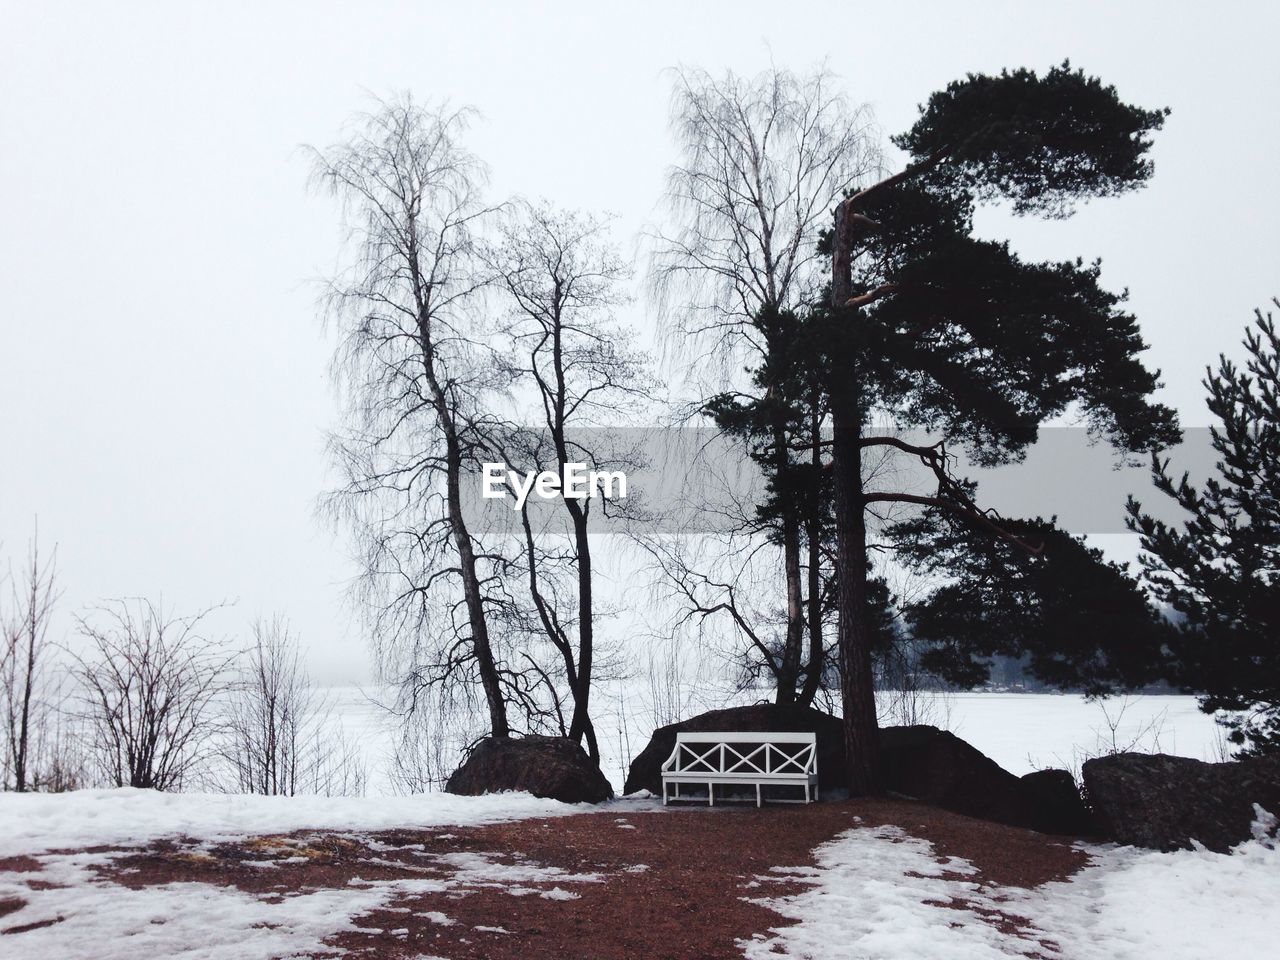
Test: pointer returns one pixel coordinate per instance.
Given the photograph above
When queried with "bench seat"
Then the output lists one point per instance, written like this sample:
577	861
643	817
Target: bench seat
734	758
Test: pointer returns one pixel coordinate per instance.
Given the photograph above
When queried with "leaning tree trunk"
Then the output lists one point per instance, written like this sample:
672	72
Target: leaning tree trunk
473	596
857	689
472	593
581	727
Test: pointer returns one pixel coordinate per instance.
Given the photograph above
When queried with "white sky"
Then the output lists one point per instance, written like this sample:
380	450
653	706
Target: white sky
162	372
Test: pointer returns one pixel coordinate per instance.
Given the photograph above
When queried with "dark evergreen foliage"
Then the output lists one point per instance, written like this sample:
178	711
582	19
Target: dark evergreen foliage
1220	570
1043	142
1076	620
973	341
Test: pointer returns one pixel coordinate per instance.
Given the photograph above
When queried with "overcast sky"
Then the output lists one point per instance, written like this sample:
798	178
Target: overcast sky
162	372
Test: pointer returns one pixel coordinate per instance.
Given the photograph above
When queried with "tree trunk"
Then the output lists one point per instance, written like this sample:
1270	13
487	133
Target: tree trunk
24	720
789	671
32	630
580	726
813	532
857	689
473	595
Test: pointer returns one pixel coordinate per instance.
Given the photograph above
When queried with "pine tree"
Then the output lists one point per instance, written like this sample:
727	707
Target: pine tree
960	336
1220	573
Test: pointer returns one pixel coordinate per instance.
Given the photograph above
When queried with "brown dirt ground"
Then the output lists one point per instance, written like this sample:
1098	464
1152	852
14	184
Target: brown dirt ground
689	903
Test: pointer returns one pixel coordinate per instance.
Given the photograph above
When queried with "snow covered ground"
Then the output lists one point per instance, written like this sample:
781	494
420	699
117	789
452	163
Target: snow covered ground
875	893
71	910
35	822
100	920
880	894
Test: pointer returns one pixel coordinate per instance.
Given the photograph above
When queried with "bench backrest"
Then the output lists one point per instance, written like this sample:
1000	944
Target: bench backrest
772	753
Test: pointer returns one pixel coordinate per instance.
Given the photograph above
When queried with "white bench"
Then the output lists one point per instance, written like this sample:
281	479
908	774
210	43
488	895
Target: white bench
763	759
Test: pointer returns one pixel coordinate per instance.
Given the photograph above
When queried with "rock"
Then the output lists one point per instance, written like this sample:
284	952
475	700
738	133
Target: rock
937	767
921	762
646	768
1163	802
1054	804
552	767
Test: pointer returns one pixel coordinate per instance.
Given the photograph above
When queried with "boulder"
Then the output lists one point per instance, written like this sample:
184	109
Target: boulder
646	768
920	762
937	767
552	767
1054	804
1163	802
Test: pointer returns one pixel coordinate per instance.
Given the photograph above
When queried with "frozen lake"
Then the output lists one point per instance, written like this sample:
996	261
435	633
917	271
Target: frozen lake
1020	731
1029	731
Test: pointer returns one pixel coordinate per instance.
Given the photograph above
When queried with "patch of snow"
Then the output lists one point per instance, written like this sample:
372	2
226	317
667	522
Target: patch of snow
33	822
872	894
1265	827
88	916
1133	904
72	909
477	870
878	892
559	893
435	916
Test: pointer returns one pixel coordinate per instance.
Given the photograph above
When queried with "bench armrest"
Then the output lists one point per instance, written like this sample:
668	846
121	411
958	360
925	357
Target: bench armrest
666	764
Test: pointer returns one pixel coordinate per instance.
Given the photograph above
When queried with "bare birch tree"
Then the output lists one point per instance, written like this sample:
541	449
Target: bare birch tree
562	280
415	369
762	161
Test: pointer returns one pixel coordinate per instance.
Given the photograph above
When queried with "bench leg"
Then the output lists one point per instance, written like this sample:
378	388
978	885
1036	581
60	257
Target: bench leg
664	793
806	792
711	794
757	794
